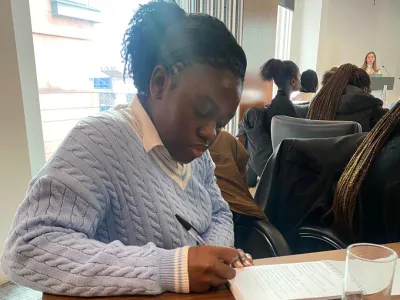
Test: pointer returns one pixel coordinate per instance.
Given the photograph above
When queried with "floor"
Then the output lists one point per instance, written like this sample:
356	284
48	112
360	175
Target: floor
10	291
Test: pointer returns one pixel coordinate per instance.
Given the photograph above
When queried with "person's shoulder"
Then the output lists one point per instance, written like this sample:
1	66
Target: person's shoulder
226	136
110	120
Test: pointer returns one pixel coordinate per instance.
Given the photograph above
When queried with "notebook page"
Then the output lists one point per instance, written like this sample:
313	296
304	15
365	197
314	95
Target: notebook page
311	280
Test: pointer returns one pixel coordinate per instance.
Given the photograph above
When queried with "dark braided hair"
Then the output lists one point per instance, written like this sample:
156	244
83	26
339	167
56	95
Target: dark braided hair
356	170
326	102
161	33
309	82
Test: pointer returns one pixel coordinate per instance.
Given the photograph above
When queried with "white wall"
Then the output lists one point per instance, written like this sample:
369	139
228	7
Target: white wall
348	30
14	156
18	87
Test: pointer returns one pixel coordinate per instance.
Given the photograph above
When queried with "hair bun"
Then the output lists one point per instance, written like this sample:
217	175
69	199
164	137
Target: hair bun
271	69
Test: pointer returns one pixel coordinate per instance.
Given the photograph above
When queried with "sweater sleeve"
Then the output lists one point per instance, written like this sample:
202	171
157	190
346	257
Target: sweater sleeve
220	232
52	247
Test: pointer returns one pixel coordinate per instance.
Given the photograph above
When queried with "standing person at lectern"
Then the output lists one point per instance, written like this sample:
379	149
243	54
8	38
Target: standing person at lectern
369	64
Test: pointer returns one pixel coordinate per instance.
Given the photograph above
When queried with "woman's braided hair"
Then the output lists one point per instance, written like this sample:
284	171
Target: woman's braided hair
326	102
356	170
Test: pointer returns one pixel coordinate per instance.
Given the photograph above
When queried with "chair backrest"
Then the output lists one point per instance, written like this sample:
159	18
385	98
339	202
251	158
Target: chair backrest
283	127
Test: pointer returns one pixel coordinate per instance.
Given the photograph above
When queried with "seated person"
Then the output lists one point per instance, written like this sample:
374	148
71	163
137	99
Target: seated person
346	97
286	76
366	205
308	87
230	159
256	123
99	218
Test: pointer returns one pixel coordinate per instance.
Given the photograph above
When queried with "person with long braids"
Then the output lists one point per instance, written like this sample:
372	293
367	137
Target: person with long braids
346	97
100	217
366	203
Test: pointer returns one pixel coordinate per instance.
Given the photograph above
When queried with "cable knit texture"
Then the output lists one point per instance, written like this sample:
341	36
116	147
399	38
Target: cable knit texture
99	218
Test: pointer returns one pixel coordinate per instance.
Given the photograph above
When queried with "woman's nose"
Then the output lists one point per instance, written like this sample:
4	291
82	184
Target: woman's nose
208	132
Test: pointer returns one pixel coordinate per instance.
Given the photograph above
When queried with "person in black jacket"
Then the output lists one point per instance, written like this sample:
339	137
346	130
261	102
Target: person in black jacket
366	205
286	76
346	97
256	122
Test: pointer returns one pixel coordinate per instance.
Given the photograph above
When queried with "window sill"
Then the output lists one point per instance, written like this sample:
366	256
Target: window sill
65	8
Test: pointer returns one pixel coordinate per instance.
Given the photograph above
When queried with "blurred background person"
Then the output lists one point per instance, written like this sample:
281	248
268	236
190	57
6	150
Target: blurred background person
308	87
369	64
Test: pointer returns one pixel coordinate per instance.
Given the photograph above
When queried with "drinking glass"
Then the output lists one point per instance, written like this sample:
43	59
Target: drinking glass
369	272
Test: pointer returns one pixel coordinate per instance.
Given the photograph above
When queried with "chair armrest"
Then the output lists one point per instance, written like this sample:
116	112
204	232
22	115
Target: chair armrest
276	242
322	234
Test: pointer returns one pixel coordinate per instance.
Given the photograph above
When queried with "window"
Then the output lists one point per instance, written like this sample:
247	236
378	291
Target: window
78	63
102	83
87	10
283	35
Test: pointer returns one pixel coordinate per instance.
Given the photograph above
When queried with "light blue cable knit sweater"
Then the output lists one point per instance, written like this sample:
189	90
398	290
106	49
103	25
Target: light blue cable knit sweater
98	220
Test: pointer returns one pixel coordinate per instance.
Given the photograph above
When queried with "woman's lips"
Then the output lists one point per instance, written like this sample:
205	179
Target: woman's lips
198	150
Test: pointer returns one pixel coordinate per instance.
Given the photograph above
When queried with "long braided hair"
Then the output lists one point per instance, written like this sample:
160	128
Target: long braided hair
356	170
326	102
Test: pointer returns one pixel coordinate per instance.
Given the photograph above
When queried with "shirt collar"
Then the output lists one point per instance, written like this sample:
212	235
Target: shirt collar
150	136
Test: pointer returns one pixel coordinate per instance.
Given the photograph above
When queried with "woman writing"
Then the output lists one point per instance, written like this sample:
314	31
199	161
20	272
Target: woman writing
99	219
346	97
369	64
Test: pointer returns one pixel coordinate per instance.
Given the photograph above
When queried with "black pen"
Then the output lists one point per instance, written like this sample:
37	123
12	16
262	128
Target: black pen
190	229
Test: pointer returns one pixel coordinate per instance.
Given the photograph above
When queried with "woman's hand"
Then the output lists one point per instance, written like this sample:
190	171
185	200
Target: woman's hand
244	260
210	267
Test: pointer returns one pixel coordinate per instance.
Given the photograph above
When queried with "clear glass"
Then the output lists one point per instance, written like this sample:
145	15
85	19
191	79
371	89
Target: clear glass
369	272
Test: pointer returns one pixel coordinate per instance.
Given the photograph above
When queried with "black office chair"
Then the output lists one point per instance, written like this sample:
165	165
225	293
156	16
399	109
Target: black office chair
305	160
261	240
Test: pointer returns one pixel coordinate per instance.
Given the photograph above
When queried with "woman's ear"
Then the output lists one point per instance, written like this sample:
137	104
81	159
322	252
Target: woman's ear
158	82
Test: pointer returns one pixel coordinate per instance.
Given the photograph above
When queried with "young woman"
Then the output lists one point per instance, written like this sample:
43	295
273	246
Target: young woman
346	97
256	122
366	205
99	219
308	87
286	76
369	64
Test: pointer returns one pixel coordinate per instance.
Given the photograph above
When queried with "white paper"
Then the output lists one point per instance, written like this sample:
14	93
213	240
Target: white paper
291	281
309	280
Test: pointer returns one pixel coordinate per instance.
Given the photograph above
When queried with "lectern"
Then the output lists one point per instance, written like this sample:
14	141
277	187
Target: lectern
380	85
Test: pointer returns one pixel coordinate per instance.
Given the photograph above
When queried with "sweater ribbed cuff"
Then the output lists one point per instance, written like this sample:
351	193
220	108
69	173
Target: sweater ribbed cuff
174	274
